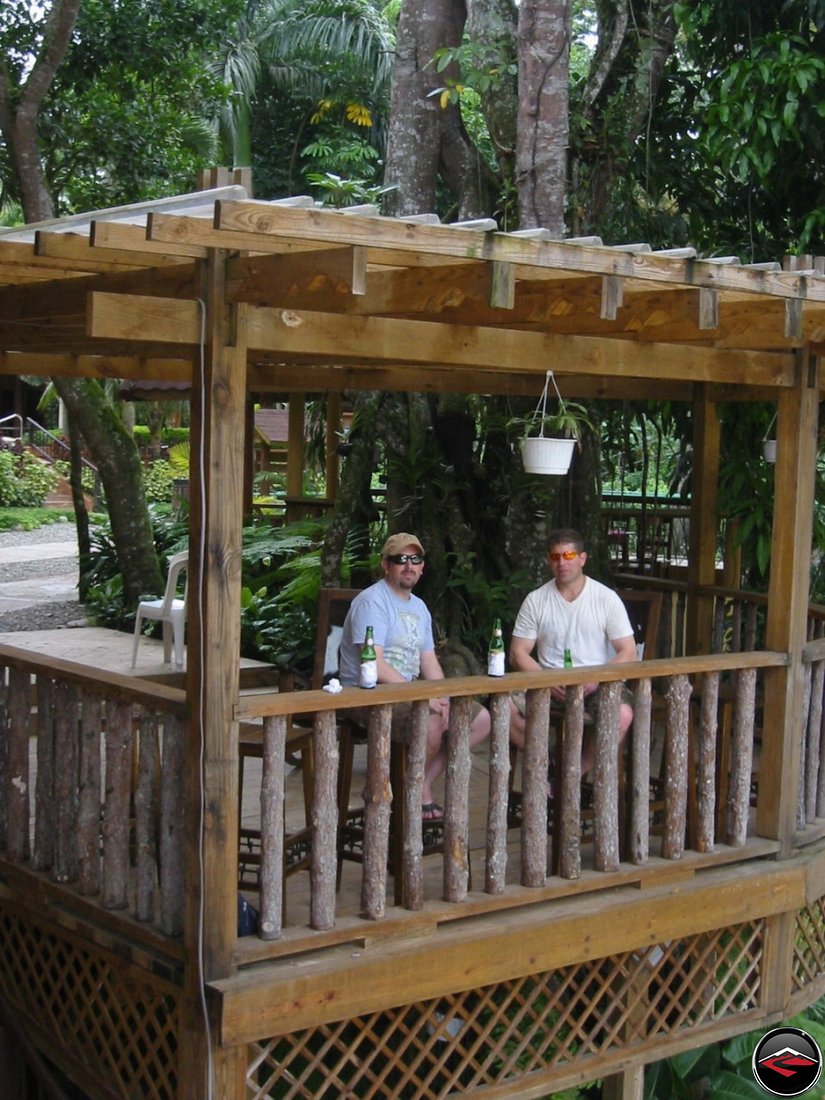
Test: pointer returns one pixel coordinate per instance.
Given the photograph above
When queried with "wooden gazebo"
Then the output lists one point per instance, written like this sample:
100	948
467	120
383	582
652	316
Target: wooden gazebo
562	963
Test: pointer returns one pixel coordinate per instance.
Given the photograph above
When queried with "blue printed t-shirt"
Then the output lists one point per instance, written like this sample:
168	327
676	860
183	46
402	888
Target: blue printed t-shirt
403	628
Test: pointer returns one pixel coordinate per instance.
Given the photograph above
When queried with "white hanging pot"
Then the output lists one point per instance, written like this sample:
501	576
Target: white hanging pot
769	449
547	456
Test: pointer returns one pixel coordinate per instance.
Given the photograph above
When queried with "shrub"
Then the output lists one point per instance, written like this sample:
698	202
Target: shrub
157	480
25	481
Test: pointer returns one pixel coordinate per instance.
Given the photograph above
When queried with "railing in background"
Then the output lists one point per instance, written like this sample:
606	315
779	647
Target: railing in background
105	813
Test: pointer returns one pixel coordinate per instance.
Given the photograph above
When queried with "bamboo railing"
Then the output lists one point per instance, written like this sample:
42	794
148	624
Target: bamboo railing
105	757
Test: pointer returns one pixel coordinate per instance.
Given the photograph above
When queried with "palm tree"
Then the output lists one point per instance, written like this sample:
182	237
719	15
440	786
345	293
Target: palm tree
333	55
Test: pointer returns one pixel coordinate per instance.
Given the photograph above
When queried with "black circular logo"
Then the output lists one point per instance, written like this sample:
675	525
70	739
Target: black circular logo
787	1062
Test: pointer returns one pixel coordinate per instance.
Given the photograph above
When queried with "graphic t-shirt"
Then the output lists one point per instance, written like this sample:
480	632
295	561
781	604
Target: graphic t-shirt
584	625
402	627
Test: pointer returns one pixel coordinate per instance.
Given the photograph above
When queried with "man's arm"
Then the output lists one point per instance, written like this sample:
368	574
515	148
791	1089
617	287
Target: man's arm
386	673
625	650
521	654
430	665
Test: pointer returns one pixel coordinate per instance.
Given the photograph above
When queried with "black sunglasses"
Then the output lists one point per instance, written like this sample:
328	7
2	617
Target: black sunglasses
402	559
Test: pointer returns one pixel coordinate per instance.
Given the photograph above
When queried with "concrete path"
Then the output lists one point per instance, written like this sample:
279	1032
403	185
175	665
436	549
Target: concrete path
58	585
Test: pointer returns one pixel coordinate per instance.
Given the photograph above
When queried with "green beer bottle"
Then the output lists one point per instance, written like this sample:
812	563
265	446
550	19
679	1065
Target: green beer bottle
495	652
369	661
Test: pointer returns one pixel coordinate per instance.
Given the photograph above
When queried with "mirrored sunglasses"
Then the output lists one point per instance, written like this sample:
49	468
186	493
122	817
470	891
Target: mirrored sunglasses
568	555
402	559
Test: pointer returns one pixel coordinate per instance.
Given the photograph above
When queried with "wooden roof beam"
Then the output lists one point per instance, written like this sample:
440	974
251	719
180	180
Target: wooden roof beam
261	221
51	365
342	338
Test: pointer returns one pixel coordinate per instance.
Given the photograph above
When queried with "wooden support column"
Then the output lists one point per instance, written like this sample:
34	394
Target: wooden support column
704	520
213	650
295	446
794	484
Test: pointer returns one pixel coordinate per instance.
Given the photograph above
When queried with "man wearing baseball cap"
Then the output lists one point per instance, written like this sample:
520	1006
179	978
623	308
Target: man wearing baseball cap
405	649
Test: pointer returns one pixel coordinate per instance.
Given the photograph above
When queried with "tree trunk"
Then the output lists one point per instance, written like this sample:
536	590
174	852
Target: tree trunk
543	130
416	118
18	112
118	462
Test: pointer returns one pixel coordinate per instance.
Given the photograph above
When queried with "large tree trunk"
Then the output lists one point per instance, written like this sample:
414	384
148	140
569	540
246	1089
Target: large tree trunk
543	53
118	461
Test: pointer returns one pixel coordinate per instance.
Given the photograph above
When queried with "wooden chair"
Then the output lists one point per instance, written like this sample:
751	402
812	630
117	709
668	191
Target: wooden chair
333	604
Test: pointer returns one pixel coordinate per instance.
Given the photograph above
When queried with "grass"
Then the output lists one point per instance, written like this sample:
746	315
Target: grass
29	519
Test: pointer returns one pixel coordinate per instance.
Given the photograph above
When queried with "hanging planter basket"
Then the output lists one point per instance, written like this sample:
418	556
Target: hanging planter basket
552	454
769	445
541	455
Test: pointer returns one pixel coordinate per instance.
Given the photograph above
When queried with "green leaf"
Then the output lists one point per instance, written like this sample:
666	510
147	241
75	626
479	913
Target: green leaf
724	1085
693	1065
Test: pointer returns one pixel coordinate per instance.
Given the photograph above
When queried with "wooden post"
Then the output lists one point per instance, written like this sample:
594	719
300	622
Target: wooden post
704	521
216	512
295	447
794	483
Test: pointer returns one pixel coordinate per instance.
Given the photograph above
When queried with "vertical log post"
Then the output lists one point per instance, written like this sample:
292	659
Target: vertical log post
116	818
146	815
496	869
814	753
377	799
606	780
706	764
413	840
272	828
4	754
676	766
568	829
43	854
457	799
65	867
90	801
17	780
173	826
741	764
534	789
324	821
639	838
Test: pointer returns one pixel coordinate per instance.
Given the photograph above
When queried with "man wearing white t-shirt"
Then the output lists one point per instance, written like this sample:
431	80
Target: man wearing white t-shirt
572	613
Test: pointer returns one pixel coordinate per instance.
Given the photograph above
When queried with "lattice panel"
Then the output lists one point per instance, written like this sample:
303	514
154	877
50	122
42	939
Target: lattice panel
516	1030
809	944
115	1019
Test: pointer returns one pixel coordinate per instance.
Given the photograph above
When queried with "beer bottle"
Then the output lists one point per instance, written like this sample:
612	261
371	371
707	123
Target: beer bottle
369	662
495	652
568	658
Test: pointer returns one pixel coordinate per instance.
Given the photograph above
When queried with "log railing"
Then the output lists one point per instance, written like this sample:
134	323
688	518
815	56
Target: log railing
91	775
811	802
705	706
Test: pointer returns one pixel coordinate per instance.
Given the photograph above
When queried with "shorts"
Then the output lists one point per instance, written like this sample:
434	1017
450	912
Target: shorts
591	709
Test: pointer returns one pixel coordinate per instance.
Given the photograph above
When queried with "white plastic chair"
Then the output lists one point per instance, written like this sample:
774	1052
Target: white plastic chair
171	611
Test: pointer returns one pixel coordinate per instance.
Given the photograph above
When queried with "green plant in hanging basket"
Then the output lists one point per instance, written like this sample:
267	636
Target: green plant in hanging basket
544	428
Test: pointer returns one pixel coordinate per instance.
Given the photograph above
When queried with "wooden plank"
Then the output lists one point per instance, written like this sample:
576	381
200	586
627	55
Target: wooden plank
260	704
137	317
264	220
132	240
278	998
48	365
704	520
794	492
298	332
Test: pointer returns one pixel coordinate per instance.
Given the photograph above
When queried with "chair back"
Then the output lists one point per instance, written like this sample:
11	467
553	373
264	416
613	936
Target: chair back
644	609
333	605
177	564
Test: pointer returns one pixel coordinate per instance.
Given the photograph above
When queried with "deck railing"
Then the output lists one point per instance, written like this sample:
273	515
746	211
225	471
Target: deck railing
91	775
92	768
705	708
